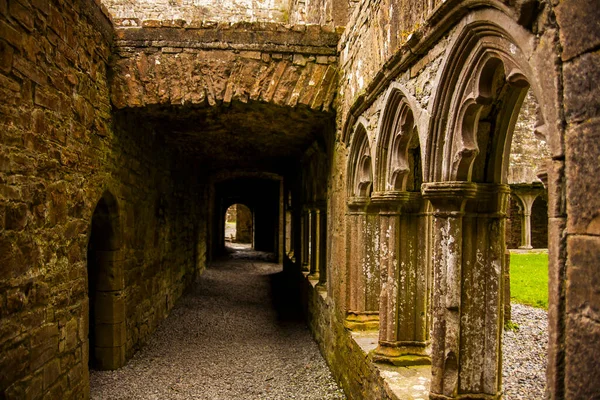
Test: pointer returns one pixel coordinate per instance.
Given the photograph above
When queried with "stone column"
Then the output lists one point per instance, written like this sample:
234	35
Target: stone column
322	248
314	244
527	200
403	247
363	271
305	242
468	257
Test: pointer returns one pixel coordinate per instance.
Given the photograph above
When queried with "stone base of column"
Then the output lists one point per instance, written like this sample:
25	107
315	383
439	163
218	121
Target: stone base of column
313	276
321	286
305	267
362	321
401	353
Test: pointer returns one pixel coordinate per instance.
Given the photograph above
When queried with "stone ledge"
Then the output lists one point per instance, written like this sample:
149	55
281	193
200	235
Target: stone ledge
363	377
274	34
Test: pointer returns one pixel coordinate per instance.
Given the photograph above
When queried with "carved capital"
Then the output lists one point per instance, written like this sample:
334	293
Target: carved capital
449	197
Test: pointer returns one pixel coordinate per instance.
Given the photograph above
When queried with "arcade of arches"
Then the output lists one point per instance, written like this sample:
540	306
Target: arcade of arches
377	146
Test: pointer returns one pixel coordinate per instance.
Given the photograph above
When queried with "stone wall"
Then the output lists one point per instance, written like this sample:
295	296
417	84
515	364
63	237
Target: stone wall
55	124
378	51
528	152
61	149
134	12
575	210
321	12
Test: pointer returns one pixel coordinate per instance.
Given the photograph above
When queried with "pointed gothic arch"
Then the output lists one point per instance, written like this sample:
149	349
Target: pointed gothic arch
484	79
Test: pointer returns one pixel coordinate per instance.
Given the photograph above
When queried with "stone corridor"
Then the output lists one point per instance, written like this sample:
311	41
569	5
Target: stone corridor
235	335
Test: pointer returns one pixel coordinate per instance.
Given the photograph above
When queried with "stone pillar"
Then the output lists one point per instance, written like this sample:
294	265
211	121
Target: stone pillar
527	200
468	257
305	242
322	247
314	244
507	306
363	266
403	328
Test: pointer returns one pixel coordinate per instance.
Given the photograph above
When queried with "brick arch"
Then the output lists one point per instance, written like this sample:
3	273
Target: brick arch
106	284
240	63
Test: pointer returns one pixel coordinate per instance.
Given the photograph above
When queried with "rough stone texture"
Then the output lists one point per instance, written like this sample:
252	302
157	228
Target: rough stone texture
575	40
135	12
528	151
182	95
61	149
244	62
321	12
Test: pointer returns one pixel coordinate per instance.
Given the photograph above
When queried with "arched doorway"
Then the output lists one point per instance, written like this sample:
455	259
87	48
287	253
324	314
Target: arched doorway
106	332
239	224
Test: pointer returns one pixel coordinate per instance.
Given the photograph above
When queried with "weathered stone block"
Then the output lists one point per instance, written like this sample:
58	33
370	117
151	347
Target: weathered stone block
44	352
46	98
110	307
583	155
16	217
581	362
51	373
579	22
12	363
21	14
581	80
10	34
75	375
6	56
110	335
69	336
583	275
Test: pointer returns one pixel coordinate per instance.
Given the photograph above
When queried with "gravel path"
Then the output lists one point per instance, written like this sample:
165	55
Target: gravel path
524	354
235	336
239	335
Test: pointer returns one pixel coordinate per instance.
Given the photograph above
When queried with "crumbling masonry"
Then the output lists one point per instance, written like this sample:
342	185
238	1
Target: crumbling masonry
371	141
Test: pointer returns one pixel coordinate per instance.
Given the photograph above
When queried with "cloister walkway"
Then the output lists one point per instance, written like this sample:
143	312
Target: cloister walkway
236	335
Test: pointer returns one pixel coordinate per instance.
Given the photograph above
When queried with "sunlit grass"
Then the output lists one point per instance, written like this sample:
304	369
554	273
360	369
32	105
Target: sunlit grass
529	279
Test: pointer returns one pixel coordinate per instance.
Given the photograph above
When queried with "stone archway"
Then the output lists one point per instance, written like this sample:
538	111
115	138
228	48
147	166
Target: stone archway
106	332
404	232
364	287
485	80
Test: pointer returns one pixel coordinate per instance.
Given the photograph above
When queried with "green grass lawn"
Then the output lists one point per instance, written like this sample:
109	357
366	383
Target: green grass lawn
529	279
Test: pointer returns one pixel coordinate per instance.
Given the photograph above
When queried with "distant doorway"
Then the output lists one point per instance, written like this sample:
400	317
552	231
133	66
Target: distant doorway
238	225
106	332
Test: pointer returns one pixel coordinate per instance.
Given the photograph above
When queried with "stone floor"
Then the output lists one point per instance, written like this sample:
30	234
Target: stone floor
237	335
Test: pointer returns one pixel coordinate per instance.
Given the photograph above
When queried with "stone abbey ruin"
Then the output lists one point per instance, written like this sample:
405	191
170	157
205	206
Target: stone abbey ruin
370	139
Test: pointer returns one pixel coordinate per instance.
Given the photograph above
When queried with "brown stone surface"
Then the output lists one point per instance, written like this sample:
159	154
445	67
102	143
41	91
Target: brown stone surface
582	101
175	120
583	152
60	150
570	15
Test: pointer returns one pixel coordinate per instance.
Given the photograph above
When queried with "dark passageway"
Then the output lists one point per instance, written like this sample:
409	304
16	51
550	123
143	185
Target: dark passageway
237	334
